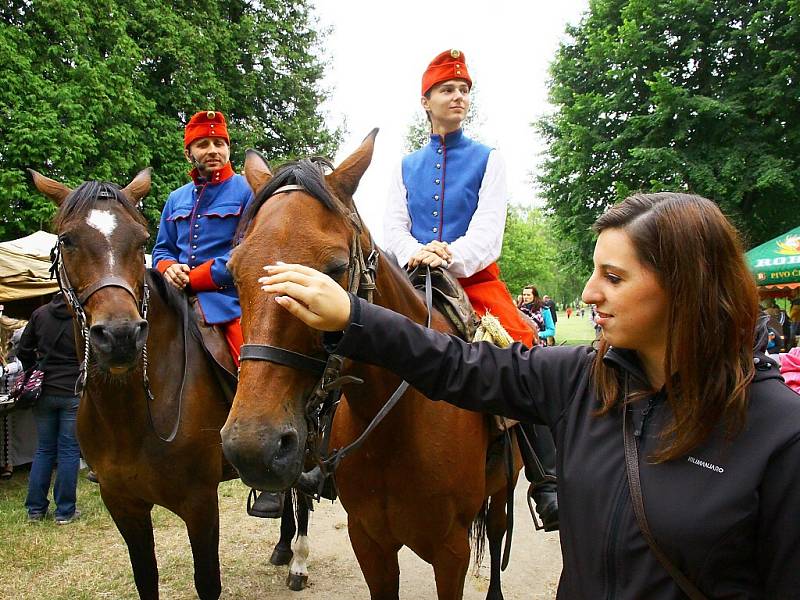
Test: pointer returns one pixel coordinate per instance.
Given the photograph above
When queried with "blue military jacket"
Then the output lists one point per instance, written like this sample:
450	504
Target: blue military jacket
442	180
197	226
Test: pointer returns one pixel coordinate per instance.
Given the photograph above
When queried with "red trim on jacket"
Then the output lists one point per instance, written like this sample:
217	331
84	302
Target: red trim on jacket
164	264
200	278
218	176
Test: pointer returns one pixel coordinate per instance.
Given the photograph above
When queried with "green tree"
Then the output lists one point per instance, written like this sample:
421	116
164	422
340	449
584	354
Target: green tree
98	89
532	256
684	95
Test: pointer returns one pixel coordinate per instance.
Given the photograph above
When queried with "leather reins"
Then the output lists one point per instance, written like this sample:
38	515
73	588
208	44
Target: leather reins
78	300
322	402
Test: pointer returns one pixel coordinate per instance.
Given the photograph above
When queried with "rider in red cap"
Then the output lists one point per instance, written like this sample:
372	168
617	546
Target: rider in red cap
195	238
198	224
447	207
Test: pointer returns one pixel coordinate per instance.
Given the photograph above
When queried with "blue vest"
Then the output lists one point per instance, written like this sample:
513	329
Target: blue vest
442	182
198	224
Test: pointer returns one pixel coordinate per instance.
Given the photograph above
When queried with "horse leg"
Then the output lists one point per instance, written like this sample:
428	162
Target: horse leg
495	530
132	518
450	565
378	562
282	553
298	568
202	524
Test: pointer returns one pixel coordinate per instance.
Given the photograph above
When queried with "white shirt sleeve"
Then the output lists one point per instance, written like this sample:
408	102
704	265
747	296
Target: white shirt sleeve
481	245
397	237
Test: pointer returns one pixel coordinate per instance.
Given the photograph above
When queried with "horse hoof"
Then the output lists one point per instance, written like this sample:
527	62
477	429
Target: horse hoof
297	582
280	557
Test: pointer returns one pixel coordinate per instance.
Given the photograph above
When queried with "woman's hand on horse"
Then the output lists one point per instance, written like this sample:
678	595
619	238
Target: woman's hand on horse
309	295
178	275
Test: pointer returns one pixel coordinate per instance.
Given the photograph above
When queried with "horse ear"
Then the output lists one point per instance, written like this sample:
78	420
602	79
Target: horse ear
348	174
50	187
256	170
139	187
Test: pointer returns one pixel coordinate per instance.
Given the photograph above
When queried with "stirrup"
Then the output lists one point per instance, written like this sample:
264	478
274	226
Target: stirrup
536	523
252	499
547	523
316	484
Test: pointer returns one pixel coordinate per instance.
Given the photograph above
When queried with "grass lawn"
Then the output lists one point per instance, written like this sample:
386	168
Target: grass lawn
574	331
88	560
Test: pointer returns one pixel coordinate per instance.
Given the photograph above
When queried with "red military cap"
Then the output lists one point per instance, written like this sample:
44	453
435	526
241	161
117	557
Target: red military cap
450	64
206	123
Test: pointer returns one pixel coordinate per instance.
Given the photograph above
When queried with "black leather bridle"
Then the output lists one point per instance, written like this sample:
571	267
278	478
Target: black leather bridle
325	396
77	300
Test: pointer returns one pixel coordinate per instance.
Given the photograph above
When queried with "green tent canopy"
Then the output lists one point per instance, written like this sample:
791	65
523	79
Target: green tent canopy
777	262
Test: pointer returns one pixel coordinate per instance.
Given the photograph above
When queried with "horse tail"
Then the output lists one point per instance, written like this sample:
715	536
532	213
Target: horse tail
477	534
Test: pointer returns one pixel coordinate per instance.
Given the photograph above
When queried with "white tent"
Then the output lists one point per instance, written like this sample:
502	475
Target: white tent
25	267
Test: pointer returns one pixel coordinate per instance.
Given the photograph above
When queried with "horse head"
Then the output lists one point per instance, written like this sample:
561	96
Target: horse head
301	215
100	261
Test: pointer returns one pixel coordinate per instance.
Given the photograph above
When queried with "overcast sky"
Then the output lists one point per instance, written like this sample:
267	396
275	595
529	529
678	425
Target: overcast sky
378	50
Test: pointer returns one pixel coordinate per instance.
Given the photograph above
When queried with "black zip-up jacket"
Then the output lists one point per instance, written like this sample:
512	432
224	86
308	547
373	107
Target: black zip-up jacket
36	343
727	514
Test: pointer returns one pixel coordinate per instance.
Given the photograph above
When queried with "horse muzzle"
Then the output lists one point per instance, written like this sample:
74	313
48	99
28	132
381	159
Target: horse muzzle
117	345
267	459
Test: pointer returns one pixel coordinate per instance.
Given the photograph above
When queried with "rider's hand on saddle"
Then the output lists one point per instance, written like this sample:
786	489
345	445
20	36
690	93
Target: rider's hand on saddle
309	295
440	248
178	275
435	257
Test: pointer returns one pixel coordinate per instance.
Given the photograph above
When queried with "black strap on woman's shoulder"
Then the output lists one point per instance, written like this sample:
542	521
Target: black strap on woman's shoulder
632	466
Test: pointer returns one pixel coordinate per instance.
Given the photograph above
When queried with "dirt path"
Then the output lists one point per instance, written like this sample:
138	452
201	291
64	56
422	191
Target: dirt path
334	574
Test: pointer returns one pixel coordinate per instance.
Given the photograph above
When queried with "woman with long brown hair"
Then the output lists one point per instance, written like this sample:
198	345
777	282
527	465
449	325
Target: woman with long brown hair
678	442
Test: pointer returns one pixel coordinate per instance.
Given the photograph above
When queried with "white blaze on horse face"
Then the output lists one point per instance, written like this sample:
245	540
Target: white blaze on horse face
105	222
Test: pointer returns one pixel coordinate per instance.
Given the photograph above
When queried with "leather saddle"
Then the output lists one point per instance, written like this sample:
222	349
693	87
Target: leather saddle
212	339
449	298
452	301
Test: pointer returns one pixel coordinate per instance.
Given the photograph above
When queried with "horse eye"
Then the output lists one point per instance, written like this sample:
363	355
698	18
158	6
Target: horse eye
336	271
67	242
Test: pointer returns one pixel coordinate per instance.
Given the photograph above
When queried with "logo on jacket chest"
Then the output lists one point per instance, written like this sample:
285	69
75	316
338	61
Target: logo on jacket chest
705	464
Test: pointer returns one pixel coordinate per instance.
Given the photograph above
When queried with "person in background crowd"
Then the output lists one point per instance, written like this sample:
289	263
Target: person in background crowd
598	330
711	427
569	312
794	315
790	368
533	306
549	303
544	489
49	342
11	370
781	323
195	239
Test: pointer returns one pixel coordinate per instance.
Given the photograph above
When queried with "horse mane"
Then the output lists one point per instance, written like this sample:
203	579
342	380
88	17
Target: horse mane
174	298
306	172
84	197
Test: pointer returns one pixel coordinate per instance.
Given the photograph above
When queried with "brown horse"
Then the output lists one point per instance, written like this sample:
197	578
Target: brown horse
421	479
123	433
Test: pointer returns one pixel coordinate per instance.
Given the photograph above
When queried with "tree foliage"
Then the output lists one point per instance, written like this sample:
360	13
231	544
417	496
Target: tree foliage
99	89
682	95
532	256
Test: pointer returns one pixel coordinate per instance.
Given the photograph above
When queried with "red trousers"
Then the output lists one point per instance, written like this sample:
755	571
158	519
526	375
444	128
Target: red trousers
488	294
234	337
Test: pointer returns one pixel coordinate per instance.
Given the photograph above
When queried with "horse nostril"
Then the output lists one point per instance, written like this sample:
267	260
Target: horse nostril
140	332
98	334
287	445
